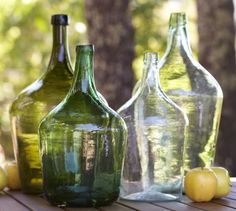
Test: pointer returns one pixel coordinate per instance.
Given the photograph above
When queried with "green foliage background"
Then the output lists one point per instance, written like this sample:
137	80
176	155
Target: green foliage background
26	39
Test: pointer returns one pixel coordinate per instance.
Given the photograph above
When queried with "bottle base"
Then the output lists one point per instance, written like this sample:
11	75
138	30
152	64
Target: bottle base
151	197
80	203
32	190
83	200
133	191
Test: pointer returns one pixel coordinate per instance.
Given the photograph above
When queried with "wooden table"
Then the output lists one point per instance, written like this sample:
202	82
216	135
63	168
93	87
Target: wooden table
17	201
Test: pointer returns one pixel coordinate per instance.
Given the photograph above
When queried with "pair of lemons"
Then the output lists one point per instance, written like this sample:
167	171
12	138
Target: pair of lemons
204	184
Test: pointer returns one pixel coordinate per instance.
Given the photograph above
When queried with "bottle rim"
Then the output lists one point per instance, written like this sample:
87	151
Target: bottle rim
85	47
149	55
60	19
177	19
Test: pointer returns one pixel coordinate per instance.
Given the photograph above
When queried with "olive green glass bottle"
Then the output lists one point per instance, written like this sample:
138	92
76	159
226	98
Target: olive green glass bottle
34	102
195	90
82	143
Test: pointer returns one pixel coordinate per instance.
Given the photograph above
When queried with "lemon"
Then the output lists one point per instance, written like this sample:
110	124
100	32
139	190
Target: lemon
3	179
13	179
200	184
223	181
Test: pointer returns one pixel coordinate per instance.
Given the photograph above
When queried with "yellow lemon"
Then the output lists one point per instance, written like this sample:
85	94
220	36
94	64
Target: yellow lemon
13	179
3	179
223	181
200	184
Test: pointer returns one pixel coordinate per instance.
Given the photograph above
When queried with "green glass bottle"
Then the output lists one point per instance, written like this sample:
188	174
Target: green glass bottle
34	102
82	143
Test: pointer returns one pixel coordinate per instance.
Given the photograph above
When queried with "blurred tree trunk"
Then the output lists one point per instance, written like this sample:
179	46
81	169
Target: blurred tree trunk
217	54
110	29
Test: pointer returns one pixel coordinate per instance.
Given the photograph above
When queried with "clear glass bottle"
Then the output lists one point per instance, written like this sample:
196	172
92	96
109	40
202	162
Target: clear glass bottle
154	156
34	102
195	90
82	143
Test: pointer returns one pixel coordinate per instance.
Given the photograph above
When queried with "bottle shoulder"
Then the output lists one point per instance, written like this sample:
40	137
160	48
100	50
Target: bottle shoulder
188	76
82	109
58	71
41	92
25	96
151	104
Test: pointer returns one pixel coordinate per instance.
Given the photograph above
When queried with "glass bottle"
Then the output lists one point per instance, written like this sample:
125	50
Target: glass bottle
154	156
195	90
82	143
34	102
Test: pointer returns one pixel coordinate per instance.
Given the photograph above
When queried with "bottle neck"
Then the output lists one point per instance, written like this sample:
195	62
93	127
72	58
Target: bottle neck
60	49
178	40
150	72
84	77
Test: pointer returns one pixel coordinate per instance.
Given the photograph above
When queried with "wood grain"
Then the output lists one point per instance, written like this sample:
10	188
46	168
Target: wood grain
17	201
209	206
116	207
33	202
81	209
178	206
226	202
141	206
9	204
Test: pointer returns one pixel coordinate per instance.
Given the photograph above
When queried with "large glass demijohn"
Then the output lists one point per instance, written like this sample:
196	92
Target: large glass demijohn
153	167
82	143
195	90
35	101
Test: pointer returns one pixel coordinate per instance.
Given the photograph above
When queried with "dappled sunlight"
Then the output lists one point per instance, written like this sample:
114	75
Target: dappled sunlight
80	27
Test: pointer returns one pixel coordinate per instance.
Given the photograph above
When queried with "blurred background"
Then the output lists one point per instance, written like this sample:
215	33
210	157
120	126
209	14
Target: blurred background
121	31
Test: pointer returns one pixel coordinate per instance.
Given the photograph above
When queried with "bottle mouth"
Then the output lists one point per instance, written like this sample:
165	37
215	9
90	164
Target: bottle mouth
85	47
177	19
60	19
150	57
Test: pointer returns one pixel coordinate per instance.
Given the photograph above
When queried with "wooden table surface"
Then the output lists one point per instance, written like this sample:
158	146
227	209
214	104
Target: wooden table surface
17	201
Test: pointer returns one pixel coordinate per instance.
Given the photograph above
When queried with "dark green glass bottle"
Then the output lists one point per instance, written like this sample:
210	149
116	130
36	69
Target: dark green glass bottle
82	143
34	102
